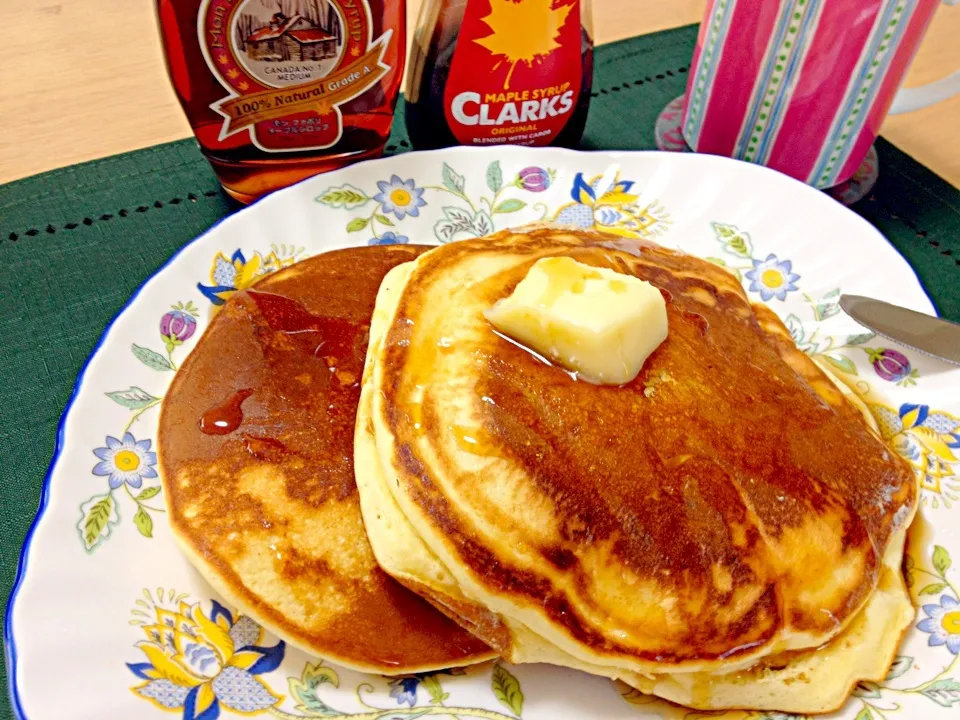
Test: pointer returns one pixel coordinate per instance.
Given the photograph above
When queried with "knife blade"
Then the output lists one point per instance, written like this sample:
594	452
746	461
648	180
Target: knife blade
923	333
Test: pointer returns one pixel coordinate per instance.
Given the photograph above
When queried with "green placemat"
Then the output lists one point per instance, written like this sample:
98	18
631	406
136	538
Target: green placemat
75	243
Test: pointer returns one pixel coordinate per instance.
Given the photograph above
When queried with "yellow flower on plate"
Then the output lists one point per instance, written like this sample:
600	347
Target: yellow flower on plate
195	663
229	275
930	441
942	623
614	210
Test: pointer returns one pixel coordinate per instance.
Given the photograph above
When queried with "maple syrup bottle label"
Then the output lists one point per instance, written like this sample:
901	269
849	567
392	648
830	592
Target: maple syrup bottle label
516	72
287	66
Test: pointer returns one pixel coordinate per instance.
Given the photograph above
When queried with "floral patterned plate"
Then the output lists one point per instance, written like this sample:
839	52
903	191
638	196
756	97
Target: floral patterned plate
109	621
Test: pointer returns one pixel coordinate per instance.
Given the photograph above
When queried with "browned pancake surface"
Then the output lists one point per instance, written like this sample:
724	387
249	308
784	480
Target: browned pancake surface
256	446
725	496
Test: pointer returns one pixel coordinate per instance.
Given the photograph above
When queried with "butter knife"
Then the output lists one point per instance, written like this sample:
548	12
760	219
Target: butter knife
923	333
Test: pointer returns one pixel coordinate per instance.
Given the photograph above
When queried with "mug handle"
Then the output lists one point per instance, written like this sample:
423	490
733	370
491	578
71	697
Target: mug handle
910	99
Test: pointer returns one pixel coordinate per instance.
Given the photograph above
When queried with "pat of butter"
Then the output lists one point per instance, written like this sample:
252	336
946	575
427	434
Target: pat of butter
596	322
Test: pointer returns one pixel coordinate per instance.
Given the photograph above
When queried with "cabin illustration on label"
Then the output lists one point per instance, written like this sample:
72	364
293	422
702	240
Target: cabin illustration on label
306	36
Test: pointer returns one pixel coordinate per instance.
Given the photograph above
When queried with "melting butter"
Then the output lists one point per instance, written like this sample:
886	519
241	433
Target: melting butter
596	322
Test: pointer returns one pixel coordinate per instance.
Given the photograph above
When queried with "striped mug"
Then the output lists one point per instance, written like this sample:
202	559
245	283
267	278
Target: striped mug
803	86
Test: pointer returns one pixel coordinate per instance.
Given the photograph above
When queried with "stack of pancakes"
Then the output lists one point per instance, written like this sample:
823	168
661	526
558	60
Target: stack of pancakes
725	531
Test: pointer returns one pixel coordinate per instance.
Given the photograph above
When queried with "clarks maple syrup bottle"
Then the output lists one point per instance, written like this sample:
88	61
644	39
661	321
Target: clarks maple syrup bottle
278	90
493	72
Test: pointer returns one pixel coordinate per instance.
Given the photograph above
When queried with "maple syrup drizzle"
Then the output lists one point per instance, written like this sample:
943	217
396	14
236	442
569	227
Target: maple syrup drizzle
285	314
288	316
697	320
226	417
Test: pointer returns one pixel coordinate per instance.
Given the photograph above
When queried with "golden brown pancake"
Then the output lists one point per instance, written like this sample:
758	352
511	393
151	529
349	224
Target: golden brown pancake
256	447
726	506
806	681
814	680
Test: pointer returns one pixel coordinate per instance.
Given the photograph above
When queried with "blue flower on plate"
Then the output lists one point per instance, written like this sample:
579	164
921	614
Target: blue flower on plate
614	210
772	278
197	664
404	690
400	197
126	461
229	275
943	624
929	439
389	238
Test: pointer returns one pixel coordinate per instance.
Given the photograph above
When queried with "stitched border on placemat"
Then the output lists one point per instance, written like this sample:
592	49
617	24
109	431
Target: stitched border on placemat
106	217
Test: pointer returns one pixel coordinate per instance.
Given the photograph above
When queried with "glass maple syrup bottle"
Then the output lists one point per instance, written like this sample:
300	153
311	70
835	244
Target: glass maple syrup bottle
278	90
493	72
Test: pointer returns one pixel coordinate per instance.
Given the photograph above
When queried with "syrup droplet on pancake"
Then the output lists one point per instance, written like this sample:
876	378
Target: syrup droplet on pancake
264	448
415	413
676	461
474	440
226	417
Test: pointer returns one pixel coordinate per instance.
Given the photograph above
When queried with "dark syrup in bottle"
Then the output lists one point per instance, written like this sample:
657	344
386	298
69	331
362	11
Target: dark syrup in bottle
490	72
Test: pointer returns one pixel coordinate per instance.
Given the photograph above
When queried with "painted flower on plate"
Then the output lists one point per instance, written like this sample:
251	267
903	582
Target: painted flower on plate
389	238
929	440
126	461
230	275
177	325
943	624
404	690
400	197
534	179
892	365
197	664
613	209
772	278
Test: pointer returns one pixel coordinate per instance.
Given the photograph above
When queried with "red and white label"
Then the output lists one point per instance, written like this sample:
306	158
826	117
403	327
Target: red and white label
516	72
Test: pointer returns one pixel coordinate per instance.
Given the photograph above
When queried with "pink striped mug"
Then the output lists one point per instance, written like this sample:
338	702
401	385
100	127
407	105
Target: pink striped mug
803	86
